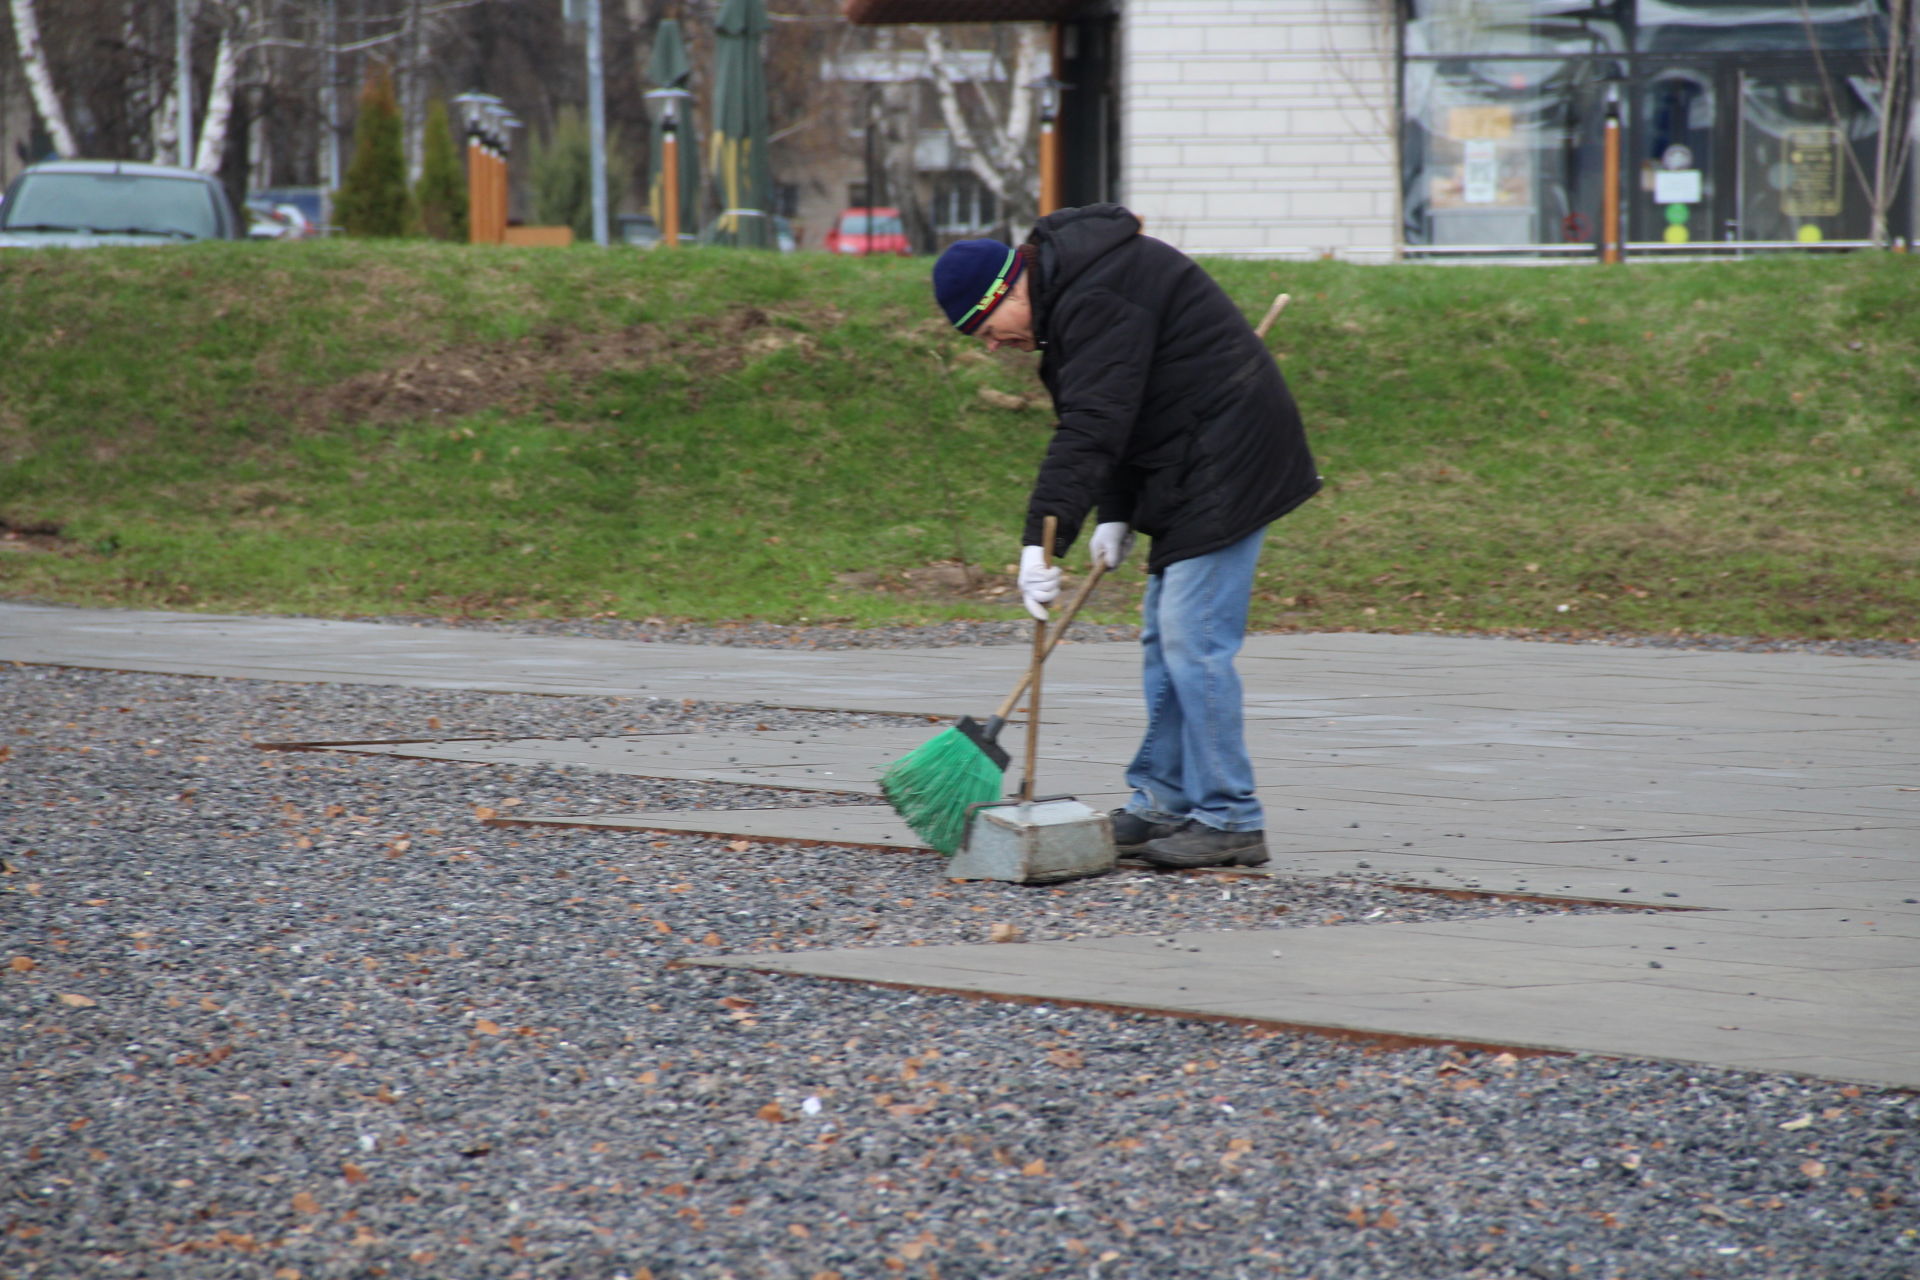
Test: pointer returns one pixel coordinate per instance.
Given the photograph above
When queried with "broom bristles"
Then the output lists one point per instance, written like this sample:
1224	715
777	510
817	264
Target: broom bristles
933	786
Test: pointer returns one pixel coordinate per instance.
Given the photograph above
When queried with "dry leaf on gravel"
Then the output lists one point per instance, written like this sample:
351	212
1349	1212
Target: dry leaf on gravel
1067	1059
1002	932
77	1001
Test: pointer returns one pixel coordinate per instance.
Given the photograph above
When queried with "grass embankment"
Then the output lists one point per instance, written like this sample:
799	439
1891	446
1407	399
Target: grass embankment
346	428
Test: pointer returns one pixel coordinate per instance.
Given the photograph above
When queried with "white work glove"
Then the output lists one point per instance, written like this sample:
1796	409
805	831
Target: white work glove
1112	543
1039	583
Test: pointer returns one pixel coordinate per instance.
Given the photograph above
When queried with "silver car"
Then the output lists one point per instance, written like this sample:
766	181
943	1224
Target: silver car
83	203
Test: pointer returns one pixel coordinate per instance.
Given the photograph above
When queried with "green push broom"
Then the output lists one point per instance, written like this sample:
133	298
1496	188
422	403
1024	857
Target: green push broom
934	786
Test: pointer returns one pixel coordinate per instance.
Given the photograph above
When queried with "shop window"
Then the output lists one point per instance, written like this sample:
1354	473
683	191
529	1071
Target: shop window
1757	26
1491	27
1503	151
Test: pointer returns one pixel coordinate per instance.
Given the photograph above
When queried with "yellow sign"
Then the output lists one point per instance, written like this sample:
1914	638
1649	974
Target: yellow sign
1813	173
1469	123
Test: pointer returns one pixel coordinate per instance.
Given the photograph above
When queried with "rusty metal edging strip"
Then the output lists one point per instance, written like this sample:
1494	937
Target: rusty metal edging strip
1227	873
1372	1039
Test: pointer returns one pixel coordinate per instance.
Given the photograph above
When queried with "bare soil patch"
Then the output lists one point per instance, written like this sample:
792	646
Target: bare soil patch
530	376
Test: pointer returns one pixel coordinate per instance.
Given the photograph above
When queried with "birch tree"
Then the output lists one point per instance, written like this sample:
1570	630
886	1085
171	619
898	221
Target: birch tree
236	30
39	73
993	130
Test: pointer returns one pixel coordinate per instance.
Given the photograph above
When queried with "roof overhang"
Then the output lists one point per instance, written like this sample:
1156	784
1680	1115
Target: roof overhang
887	12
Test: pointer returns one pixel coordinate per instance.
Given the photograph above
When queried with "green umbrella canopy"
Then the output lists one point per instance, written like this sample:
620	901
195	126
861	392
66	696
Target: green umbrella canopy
737	153
668	68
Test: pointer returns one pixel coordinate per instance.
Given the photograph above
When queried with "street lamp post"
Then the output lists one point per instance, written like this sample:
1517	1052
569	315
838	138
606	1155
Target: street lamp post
669	100
476	118
183	79
596	124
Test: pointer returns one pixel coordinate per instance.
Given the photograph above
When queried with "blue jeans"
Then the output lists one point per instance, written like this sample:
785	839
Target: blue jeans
1193	761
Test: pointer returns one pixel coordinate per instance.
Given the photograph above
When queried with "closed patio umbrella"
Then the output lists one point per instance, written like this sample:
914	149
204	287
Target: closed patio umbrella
737	154
669	71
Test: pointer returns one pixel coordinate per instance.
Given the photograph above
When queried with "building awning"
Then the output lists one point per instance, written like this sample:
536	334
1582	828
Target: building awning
885	12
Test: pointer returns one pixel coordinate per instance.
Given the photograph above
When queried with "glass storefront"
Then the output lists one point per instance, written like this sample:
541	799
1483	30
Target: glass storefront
1742	121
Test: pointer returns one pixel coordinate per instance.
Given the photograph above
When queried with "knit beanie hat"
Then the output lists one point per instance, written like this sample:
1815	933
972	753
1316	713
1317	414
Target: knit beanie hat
972	278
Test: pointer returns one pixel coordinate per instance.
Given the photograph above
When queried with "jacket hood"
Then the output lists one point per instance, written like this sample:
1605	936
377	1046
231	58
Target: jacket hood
1072	240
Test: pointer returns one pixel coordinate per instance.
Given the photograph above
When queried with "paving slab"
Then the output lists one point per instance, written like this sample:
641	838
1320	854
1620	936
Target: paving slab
1772	794
1575	984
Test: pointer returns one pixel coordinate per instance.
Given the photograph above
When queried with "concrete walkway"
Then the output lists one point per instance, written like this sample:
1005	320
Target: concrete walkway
1777	795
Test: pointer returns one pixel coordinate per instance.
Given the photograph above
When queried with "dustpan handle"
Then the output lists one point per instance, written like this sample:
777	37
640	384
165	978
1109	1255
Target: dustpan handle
1049	527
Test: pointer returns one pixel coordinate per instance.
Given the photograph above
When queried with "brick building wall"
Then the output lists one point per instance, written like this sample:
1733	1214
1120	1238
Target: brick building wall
1262	127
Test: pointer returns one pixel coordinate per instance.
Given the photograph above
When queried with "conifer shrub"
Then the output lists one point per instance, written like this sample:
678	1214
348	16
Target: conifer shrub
561	165
440	197
373	198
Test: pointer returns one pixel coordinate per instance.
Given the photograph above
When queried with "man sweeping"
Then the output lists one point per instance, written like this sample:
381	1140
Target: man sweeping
1174	421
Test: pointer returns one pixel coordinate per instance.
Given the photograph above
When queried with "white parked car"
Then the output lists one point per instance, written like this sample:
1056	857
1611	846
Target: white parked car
81	203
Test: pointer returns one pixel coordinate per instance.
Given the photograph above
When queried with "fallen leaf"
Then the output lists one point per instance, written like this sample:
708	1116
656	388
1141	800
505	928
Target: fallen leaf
20	964
486	1027
77	1001
353	1173
1804	1122
735	1002
1067	1059
1813	1168
303	1202
484	813
740	846
1003	933
1034	1168
711	940
907	1110
773	1114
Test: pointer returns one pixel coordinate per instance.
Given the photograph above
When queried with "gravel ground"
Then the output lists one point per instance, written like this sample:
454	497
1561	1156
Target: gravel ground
270	1014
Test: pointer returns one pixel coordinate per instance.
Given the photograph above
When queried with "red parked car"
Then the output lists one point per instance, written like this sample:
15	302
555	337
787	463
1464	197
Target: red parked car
863	231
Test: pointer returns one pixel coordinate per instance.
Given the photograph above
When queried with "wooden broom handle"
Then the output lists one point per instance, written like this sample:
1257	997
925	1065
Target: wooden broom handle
1280	301
1059	630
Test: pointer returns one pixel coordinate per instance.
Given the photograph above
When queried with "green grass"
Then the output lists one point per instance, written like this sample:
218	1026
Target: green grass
341	428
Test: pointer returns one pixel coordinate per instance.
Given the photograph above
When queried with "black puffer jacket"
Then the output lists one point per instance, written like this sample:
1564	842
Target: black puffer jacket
1173	415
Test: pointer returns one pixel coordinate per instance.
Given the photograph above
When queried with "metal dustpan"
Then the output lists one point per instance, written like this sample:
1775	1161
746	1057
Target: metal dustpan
1029	841
1034	842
